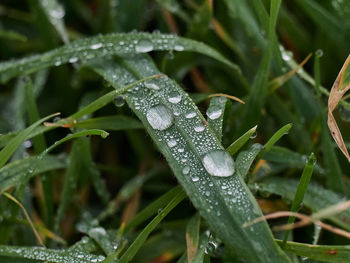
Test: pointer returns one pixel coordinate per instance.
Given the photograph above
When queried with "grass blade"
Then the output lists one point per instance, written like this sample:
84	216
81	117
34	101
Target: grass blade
245	159
197	144
102	46
112	123
238	144
301	190
215	115
334	254
271	142
11	147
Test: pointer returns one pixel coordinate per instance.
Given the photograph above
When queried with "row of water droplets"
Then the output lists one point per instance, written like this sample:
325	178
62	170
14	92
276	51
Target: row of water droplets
95	47
40	253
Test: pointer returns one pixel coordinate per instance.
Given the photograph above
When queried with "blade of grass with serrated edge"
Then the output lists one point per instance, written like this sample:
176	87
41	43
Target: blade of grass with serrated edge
282	131
316	197
13	144
215	115
301	190
259	88
192	236
15	172
50	255
141	238
334	254
238	144
102	46
228	217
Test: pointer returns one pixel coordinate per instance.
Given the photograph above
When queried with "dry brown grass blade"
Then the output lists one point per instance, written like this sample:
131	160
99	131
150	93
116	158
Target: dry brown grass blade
227	96
340	87
304	221
27	217
279	81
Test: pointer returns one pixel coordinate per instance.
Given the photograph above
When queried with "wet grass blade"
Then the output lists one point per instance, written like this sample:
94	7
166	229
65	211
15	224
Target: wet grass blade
245	159
111	123
334	254
102	46
16	171
51	255
193	140
238	144
13	144
215	115
301	190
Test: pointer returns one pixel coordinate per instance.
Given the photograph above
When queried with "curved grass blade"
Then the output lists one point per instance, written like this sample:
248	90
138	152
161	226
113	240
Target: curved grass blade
238	144
215	115
282	131
193	140
102	46
301	190
316	198
334	254
11	147
51	255
16	171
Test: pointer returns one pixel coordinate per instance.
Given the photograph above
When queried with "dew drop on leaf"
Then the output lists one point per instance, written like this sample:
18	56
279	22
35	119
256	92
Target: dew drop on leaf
199	128
174	97
214	112
144	46
96	46
186	170
160	117
119	101
218	163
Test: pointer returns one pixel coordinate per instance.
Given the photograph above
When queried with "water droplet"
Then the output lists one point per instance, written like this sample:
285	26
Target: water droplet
195	178
174	97
186	170
207	193
179	48
171	143
119	101
58	12
199	128
58	63
214	112
190	115
253	136
96	46
319	53
144	46
27	144
218	163
73	59
181	150
287	55
160	117
151	85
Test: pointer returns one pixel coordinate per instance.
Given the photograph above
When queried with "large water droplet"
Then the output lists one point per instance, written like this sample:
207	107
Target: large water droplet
160	117
171	143
174	97
179	48
218	163
186	170
214	112
119	101
144	46
96	46
199	128
190	115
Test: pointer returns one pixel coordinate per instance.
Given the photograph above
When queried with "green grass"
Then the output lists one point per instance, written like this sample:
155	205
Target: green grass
174	174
